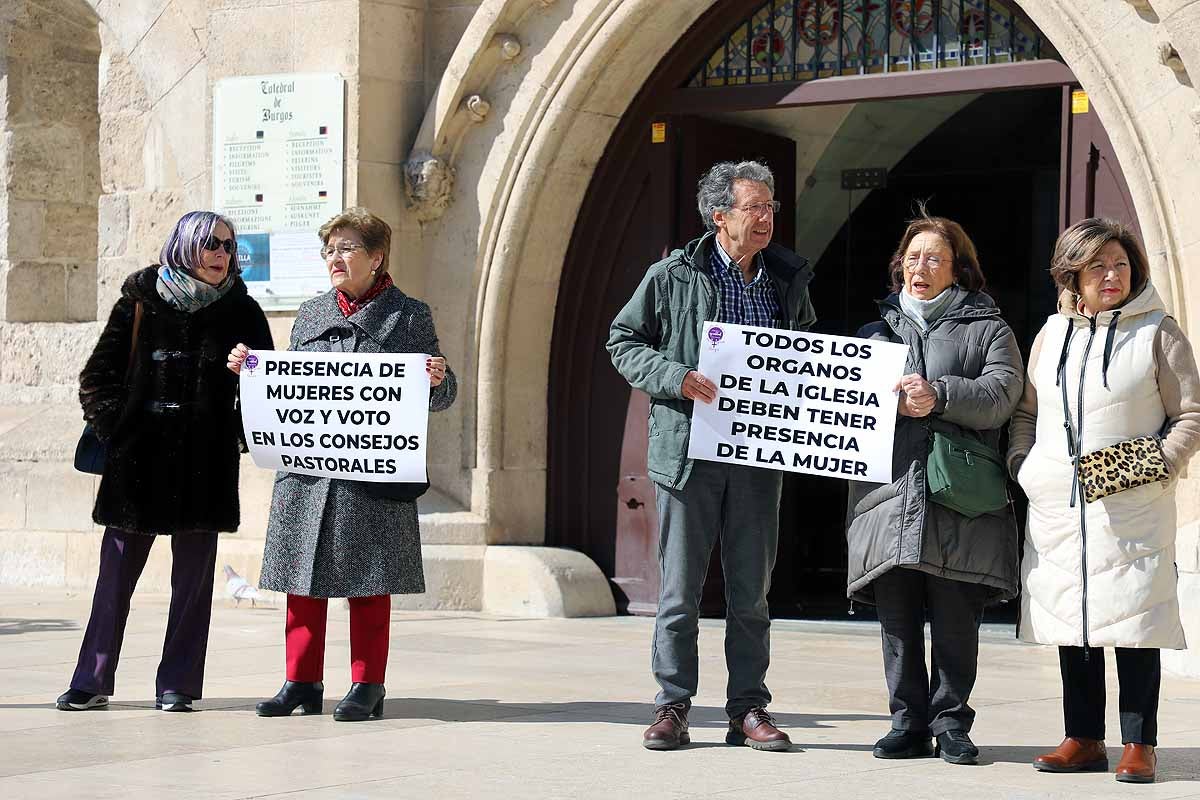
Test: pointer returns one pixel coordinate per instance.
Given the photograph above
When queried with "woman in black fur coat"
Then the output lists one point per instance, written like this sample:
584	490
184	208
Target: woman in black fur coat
166	407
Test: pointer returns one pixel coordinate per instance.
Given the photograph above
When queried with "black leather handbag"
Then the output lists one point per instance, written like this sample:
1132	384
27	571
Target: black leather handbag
404	492
91	453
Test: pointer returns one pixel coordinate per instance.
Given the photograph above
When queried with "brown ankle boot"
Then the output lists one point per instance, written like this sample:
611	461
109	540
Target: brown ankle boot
1137	764
1074	755
670	728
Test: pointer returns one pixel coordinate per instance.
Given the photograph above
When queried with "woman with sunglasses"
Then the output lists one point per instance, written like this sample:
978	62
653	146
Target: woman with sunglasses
328	537
157	393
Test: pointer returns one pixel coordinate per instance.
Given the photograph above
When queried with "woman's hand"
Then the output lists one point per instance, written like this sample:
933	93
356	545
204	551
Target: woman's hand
236	356
917	397
436	367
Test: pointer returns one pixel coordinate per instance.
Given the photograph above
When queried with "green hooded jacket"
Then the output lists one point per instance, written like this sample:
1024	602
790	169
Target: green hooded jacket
654	340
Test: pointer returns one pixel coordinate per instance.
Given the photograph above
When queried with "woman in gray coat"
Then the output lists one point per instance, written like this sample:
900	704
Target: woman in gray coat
329	537
910	556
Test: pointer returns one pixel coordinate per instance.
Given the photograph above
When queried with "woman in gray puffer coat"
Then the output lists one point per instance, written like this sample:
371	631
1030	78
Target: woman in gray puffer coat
911	557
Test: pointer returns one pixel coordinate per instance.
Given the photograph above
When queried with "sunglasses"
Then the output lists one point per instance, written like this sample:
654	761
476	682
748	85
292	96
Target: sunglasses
212	243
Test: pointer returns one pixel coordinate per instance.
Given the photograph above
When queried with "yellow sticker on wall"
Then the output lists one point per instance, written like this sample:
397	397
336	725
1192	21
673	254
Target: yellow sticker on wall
1079	102
658	132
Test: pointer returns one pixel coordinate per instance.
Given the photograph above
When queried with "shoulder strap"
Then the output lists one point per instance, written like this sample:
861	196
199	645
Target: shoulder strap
137	324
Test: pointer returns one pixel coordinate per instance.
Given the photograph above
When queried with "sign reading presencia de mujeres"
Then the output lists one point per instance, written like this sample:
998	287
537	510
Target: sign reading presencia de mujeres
354	416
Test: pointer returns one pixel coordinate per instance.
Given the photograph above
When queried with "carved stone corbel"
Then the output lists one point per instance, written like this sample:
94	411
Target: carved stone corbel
429	171
429	184
1168	56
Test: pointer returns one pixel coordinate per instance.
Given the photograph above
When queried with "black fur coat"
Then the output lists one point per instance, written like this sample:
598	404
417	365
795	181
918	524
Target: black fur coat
173	427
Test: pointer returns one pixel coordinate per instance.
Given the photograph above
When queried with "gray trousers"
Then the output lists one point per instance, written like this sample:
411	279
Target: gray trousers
741	506
933	700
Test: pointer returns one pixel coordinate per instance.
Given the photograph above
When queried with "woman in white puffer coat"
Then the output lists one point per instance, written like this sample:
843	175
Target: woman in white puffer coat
1102	574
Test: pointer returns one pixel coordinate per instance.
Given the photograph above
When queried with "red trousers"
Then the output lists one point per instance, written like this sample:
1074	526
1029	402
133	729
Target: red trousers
370	624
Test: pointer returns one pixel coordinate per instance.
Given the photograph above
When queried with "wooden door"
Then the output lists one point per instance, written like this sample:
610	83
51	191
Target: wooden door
1092	184
691	146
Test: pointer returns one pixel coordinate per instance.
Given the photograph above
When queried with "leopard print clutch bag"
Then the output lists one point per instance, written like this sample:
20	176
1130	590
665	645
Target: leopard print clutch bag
1121	466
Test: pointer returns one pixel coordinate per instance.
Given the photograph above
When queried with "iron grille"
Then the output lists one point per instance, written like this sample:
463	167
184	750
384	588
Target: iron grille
792	41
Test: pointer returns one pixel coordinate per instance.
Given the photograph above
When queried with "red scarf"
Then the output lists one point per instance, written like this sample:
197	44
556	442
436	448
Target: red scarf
349	306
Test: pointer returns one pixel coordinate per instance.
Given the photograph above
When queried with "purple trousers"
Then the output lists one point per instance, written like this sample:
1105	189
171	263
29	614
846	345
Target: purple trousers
122	557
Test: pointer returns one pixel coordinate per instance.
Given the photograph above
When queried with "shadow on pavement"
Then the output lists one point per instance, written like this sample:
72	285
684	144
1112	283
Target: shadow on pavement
11	626
487	709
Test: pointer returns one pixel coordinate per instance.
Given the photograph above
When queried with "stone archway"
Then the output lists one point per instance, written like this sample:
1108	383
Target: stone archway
551	116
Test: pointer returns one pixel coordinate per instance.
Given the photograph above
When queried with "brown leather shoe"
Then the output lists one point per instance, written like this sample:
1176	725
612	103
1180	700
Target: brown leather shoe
1137	764
1074	755
756	728
670	728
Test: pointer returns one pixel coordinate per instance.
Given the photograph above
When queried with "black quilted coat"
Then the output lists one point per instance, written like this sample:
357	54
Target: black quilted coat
172	427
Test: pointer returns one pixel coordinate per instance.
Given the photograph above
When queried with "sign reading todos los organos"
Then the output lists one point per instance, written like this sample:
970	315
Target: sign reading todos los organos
801	402
337	415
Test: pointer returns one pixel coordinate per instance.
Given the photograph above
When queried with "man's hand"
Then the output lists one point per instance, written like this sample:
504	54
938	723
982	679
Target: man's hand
698	387
917	397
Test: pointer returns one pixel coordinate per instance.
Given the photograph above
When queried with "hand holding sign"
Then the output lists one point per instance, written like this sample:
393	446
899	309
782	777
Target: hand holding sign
697	387
236	357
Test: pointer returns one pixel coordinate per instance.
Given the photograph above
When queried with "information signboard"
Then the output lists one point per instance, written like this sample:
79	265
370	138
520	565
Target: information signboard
278	173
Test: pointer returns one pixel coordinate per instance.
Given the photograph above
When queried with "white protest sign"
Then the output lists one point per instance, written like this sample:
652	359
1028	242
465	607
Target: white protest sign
337	415
800	402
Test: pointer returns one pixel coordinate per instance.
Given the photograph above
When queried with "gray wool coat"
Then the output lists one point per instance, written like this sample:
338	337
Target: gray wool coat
327	537
971	357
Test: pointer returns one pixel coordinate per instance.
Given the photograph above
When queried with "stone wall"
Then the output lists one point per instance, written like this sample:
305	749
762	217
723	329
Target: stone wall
49	182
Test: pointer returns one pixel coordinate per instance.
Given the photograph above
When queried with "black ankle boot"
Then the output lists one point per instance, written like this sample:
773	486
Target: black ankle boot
293	693
904	744
956	747
362	701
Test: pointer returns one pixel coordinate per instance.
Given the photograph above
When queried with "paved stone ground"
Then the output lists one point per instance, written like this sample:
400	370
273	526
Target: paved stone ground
493	707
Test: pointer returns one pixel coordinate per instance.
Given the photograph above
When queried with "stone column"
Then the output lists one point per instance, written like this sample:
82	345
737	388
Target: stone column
49	173
49	182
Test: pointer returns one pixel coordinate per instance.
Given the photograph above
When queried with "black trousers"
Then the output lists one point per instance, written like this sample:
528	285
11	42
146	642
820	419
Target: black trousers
122	557
933	699
1139	671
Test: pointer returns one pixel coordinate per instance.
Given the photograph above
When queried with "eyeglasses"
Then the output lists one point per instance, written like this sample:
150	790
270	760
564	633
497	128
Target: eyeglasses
212	244
933	262
761	209
345	250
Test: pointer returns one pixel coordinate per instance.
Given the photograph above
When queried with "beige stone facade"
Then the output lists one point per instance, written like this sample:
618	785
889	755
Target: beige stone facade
474	128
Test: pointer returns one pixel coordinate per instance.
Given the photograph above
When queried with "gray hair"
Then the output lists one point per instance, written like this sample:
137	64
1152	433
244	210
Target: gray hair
715	189
186	242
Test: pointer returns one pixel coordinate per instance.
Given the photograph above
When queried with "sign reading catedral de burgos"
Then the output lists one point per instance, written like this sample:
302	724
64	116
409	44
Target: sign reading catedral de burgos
278	173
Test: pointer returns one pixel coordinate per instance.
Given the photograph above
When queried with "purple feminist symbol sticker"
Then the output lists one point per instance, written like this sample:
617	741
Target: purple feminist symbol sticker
251	362
715	335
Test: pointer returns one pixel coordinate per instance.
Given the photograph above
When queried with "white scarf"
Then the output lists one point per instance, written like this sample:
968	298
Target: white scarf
925	312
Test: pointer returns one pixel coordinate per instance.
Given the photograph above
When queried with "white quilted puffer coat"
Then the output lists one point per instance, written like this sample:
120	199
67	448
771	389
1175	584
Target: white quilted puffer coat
1098	574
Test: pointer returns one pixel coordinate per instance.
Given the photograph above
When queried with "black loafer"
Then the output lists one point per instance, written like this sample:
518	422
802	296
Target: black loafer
904	744
956	747
364	700
306	696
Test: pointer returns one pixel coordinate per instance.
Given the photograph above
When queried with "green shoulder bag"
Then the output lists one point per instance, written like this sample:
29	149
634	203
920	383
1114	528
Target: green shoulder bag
965	475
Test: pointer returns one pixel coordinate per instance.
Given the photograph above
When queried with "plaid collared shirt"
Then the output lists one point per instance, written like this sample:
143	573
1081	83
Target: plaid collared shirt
754	303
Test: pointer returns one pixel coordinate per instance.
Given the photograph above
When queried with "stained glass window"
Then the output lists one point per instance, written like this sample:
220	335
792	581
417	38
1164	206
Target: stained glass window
800	40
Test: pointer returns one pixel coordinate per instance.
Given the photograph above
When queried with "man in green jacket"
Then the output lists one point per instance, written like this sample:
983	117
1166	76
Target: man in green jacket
732	274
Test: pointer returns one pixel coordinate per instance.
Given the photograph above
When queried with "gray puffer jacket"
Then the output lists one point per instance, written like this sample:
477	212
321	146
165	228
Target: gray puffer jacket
971	357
